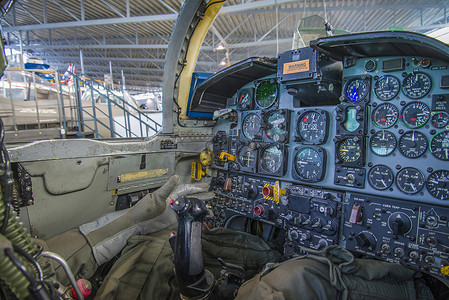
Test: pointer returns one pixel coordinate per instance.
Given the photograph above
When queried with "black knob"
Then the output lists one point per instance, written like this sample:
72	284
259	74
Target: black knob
367	240
252	191
399	223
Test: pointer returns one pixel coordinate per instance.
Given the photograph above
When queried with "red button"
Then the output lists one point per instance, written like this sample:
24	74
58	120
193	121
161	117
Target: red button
171	201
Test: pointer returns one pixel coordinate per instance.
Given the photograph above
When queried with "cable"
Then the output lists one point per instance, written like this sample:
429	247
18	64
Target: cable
6	180
31	260
16	262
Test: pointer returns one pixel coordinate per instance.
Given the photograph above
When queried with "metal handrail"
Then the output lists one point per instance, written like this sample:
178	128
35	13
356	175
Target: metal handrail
114	102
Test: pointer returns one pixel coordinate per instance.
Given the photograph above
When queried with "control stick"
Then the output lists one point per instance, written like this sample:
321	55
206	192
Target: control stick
194	281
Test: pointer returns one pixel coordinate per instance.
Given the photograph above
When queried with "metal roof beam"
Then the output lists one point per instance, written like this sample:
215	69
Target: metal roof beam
144	19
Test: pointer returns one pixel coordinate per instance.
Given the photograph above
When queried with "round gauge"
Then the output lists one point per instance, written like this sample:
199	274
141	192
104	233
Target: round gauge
410	180
266	93
247	156
312	127
387	87
380	177
245	99
385	115
417	85
438	184
276	126
415	114
413	144
440	119
357	89
439	145
271	159
309	164
251	126
349	150
383	143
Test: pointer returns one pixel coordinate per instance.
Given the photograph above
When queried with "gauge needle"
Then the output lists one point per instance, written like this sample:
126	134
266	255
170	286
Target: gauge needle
413	137
413	187
383	181
434	181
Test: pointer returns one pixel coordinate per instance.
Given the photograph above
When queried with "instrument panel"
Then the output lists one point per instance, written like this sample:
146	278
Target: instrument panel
367	169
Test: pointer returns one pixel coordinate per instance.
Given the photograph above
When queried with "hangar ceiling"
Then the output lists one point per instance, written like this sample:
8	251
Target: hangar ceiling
132	36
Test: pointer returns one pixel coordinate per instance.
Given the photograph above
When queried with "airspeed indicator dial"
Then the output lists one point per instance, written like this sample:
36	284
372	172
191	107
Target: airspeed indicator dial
349	150
251	126
312	127
387	87
439	145
309	164
415	114
416	85
383	143
438	184
413	144
380	177
410	181
357	89
385	115
440	119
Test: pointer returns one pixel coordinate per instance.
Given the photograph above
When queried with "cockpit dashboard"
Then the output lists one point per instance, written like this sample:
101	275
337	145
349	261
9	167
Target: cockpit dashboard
341	147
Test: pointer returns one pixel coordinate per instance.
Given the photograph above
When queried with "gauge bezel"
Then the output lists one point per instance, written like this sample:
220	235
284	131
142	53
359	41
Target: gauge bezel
410	104
257	136
282	169
383	77
372	185
360	162
364	78
322	172
408	132
239	95
430	144
371	140
341	118
399	186
430	190
433	114
275	101
324	114
404	88
286	113
252	167
377	108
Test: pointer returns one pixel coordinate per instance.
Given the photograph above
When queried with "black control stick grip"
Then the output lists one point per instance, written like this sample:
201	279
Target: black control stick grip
194	282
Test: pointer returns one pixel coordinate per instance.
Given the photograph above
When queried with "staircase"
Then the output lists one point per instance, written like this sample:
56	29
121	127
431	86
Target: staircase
98	112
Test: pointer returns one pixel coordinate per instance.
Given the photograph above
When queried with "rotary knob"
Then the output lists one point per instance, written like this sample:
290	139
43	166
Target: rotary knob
366	239
399	223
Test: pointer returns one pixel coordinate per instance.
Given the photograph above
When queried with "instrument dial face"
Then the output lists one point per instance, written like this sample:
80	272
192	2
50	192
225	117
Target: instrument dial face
417	85
245	99
383	143
410	181
357	90
312	127
272	159
439	145
380	177
385	115
247	157
438	184
309	164
266	93
251	126
440	119
415	114
387	87
413	144
276	126
349	151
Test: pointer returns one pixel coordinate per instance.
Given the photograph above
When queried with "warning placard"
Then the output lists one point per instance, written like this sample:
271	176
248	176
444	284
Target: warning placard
296	67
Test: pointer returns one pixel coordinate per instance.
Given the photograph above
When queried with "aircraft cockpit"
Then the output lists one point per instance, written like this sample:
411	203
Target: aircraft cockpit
334	154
